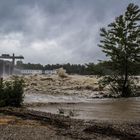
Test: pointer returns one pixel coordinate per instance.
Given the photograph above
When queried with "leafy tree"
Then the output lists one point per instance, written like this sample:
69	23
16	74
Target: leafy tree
121	43
98	69
11	92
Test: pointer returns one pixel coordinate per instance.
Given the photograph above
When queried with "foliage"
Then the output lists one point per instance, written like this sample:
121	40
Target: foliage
71	112
70	68
100	68
121	43
11	92
61	111
20	64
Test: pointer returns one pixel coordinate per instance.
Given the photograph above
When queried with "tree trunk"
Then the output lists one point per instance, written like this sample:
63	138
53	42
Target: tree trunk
125	91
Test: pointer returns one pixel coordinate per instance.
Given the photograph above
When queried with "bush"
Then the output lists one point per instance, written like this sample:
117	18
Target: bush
11	92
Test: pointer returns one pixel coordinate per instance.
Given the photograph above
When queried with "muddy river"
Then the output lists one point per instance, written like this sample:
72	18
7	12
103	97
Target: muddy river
86	108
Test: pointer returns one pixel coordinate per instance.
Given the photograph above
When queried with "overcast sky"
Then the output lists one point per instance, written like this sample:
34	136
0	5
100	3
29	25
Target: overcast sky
56	31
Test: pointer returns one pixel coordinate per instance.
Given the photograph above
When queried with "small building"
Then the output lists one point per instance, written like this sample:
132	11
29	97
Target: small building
30	72
50	72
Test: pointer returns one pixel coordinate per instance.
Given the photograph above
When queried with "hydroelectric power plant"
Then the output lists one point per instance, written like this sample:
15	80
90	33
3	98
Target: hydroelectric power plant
8	67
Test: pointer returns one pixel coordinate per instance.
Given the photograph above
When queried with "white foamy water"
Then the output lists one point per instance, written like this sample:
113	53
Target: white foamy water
42	98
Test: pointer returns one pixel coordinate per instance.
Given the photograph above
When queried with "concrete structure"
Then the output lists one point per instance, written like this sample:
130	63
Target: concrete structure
6	68
17	71
30	72
50	72
13	58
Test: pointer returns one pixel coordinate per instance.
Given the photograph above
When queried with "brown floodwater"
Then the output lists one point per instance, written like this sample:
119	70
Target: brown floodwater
88	108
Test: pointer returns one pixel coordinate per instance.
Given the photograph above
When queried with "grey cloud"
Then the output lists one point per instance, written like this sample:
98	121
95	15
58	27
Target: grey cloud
64	30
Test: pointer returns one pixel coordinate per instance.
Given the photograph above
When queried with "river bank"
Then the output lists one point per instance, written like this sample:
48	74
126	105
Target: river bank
75	128
70	108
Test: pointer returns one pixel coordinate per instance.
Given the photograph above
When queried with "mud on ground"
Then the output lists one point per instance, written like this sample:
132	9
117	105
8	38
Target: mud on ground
27	124
13	127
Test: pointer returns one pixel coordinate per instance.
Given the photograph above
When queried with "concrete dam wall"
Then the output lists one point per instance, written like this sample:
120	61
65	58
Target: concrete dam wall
6	68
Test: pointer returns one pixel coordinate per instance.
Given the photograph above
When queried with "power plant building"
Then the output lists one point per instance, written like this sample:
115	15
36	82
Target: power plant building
6	68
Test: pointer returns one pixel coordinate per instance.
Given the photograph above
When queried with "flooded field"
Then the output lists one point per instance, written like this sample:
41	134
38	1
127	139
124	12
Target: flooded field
87	108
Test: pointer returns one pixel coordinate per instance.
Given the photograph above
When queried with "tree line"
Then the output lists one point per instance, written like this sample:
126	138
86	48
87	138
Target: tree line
101	68
70	68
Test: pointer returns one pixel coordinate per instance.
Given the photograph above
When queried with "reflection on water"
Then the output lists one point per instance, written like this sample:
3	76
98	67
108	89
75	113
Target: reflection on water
104	109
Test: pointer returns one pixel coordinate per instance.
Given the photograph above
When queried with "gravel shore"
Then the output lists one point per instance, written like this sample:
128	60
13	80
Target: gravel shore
33	125
17	128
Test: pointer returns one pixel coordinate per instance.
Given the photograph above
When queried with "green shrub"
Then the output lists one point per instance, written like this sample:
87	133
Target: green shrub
11	92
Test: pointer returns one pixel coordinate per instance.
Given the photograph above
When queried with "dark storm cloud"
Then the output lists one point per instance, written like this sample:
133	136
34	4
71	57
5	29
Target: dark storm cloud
56	31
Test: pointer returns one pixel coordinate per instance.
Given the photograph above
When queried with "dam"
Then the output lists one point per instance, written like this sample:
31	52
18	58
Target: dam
8	67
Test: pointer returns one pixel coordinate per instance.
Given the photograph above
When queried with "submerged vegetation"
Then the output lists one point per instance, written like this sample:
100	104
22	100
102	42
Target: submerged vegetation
11	92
